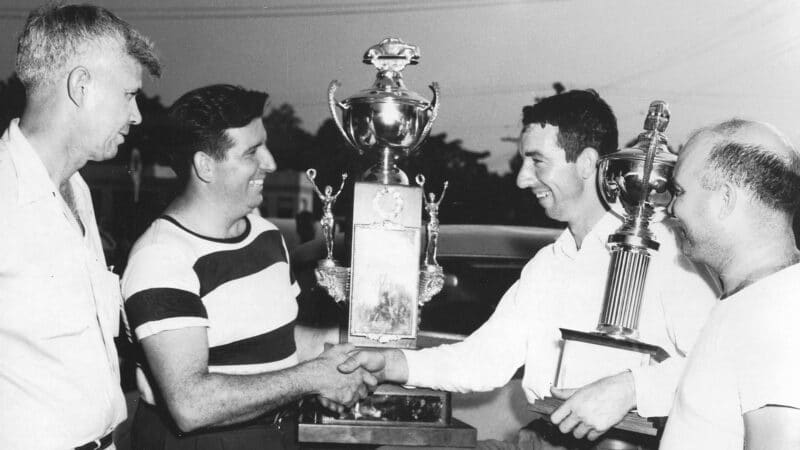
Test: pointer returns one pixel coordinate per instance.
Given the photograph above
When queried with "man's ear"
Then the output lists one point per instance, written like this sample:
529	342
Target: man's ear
203	166
727	197
586	163
78	84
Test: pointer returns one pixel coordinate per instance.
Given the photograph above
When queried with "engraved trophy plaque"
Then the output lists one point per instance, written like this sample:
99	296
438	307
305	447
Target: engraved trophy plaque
388	280
634	182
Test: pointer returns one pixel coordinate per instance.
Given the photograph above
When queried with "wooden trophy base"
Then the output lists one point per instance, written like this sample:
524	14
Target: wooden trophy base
392	415
587	357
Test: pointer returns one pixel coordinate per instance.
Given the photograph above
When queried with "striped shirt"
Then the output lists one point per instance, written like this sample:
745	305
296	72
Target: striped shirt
240	289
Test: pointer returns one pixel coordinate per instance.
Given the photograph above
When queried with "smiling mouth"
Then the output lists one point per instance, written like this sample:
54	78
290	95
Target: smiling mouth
541	195
257	183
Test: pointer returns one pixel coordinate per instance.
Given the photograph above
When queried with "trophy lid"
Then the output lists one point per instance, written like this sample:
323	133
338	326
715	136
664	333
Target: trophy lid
638	152
654	125
390	57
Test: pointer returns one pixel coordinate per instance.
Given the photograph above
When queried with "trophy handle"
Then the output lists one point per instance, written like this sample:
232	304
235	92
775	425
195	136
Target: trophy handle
608	188
433	111
332	103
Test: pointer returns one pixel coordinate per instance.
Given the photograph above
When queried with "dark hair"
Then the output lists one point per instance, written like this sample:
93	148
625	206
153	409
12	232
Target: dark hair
583	120
199	119
772	180
55	33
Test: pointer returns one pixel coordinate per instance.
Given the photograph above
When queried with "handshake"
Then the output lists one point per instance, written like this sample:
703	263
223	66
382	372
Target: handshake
346	375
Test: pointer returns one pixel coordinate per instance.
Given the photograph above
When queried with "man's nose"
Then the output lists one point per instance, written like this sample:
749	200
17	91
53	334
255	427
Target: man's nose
526	177
136	115
267	161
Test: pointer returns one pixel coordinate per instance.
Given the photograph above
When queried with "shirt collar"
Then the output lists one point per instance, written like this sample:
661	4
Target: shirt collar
598	235
33	180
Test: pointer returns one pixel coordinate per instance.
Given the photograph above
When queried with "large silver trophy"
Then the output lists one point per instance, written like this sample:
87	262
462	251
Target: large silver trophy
634	182
387	281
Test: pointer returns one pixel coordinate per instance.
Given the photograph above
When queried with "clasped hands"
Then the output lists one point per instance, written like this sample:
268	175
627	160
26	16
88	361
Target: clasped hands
353	374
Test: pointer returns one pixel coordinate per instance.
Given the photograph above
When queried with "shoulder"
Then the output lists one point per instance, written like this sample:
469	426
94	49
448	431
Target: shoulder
541	260
9	184
162	237
259	225
163	255
265	233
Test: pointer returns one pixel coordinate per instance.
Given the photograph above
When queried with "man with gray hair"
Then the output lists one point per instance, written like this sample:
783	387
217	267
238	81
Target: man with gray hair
737	188
59	305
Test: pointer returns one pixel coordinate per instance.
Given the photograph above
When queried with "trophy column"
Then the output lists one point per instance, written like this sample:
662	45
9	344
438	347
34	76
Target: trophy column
386	283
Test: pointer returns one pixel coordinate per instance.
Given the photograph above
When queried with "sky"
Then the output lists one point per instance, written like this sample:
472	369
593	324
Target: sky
708	59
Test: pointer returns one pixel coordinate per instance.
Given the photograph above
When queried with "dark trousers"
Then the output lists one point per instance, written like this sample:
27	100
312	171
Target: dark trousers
153	429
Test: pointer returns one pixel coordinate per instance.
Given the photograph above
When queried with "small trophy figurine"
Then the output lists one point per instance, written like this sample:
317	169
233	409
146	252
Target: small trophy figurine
431	276
432	207
328	199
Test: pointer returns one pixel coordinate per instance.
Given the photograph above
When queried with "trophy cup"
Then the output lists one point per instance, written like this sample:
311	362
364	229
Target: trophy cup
635	184
386	284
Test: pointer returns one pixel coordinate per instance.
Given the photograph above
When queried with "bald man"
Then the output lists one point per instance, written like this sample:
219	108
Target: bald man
737	187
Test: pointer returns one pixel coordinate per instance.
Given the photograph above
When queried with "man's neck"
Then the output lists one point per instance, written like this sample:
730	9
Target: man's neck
49	140
206	217
581	226
756	260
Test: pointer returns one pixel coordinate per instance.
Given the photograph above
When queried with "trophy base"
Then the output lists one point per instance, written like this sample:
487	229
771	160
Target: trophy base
587	357
632	422
392	415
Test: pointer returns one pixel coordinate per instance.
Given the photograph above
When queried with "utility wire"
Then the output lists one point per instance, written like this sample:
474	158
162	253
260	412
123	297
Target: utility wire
291	10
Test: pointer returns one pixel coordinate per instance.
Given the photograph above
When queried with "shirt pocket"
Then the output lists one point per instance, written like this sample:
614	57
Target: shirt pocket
108	300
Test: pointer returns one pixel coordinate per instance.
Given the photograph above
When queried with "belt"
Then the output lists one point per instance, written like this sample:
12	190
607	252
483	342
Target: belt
98	444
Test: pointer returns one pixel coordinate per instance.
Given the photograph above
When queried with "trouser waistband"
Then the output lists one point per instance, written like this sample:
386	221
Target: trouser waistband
98	444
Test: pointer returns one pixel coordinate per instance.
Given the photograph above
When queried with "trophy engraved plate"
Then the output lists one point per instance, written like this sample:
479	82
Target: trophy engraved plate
385	270
389	279
634	182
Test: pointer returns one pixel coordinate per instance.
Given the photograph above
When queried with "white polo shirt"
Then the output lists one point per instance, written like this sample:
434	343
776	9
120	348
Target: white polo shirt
59	311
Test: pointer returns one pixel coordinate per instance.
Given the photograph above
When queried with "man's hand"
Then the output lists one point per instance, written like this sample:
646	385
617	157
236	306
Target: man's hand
340	389
373	361
593	409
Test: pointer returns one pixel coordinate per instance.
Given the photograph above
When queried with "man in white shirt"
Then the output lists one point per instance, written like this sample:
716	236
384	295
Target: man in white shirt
737	187
562	287
59	305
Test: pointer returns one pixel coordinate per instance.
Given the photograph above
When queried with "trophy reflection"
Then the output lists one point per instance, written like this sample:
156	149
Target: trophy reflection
634	182
386	283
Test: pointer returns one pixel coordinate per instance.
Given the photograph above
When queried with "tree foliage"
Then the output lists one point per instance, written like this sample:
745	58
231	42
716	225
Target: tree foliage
474	195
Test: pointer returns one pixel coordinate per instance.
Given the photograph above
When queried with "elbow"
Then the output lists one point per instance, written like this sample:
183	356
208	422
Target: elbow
187	416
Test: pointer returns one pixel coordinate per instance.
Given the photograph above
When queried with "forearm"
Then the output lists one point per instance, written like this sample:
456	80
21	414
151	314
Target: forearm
214	399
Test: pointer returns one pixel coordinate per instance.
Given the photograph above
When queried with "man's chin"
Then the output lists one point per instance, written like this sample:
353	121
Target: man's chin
106	154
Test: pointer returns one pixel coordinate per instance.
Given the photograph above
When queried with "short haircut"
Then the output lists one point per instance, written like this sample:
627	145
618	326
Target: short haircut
55	33
772	179
199	119
583	120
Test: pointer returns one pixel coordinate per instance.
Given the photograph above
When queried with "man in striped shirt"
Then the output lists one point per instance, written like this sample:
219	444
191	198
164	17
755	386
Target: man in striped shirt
210	297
